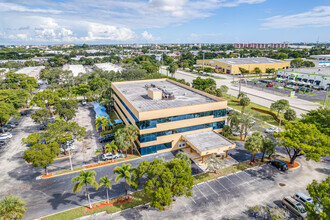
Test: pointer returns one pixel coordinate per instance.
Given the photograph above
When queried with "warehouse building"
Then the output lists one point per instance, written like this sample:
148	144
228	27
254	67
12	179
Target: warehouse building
170	116
31	71
232	65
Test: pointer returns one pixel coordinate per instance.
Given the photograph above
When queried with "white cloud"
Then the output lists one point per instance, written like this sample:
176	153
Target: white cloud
20	8
101	20
98	31
149	37
317	17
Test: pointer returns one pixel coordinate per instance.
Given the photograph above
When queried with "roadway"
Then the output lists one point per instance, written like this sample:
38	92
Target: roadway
262	98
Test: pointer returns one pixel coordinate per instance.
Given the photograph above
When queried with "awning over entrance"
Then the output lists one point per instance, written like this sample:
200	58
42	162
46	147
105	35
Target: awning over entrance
208	142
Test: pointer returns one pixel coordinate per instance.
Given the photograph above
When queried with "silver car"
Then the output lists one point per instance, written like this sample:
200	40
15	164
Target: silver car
294	206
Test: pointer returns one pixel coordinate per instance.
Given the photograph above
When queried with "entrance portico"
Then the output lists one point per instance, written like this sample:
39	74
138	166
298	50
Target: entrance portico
207	143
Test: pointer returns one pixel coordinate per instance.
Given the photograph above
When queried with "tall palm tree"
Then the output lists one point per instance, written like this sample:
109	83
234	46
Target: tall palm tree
245	101
101	121
12	207
124	172
106	182
132	133
84	179
98	152
122	141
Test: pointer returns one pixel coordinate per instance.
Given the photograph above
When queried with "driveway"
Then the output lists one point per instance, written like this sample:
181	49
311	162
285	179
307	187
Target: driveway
229	197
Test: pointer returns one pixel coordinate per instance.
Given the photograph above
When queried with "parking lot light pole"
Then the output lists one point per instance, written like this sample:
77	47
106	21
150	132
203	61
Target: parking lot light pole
70	158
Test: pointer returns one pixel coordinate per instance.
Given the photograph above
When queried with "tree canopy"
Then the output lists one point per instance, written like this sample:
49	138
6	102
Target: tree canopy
320	118
41	155
12	207
7	111
45	98
203	84
41	116
304	139
320	193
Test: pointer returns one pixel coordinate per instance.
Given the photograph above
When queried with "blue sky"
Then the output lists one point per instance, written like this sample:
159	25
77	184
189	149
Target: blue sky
163	21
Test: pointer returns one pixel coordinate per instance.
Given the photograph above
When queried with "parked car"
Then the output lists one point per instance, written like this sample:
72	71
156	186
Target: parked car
107	137
279	164
6	129
302	198
23	113
271	130
110	156
13	122
83	102
2	143
270	85
6	136
229	111
10	126
294	206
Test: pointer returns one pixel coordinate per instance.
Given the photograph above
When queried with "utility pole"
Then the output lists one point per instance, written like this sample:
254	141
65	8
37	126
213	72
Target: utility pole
326	96
203	62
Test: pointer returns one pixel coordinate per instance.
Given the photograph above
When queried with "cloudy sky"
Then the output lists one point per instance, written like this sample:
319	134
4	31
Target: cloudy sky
163	21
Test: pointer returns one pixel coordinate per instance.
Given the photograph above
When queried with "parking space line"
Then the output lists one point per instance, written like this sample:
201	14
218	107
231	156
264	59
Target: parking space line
230	181
243	181
222	185
211	188
202	193
192	199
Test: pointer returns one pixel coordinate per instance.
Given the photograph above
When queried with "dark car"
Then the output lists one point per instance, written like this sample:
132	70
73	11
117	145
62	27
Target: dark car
2	143
6	129
279	164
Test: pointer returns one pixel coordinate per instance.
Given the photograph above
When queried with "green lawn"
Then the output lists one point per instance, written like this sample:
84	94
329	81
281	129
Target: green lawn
321	102
261	116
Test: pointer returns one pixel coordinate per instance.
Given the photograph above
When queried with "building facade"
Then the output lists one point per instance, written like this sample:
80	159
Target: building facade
232	65
164	111
262	45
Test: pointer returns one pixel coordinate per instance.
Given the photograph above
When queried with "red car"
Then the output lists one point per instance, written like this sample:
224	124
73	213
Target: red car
269	85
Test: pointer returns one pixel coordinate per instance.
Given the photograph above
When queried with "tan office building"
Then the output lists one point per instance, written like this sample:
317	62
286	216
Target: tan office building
170	115
231	65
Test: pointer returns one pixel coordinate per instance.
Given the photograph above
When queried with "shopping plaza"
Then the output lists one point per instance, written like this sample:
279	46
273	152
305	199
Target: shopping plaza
171	116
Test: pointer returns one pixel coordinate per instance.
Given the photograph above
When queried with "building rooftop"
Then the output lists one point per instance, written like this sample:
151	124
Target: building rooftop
31	71
108	67
254	60
137	94
311	70
75	69
207	140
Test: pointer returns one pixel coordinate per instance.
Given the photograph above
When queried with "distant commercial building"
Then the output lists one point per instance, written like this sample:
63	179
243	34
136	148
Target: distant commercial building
108	67
171	116
31	71
232	65
262	45
324	60
315	77
75	69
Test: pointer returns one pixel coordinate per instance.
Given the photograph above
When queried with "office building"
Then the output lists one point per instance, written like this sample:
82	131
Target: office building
170	116
232	65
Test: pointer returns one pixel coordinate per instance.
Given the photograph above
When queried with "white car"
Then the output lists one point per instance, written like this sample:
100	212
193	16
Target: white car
271	130
84	102
6	136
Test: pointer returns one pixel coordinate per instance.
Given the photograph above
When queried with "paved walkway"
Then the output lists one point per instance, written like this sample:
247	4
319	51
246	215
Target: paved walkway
261	98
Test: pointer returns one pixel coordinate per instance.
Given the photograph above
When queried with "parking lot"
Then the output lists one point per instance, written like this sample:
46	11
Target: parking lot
229	197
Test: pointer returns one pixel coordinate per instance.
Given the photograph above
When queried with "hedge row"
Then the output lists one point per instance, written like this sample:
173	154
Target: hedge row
269	112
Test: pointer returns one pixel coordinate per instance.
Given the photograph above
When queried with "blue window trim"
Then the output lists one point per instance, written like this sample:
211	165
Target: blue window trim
152	123
153	136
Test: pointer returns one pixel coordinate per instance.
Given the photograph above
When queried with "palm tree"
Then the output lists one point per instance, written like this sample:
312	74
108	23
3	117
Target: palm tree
124	172
12	207
122	141
101	121
132	133
253	144
106	99
245	101
85	178
106	182
98	152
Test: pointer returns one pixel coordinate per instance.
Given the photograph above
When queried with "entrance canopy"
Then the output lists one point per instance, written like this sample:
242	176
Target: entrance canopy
208	142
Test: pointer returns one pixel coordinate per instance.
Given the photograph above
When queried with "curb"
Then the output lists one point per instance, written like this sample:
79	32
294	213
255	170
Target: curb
83	168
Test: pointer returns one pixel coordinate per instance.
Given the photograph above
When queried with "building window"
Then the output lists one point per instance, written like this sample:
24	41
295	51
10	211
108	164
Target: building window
152	123
154	148
153	136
